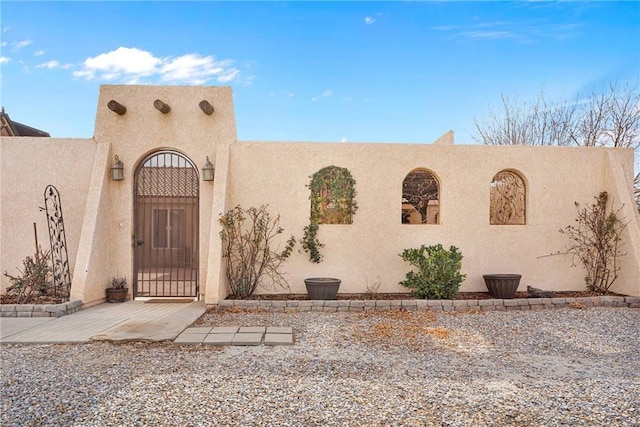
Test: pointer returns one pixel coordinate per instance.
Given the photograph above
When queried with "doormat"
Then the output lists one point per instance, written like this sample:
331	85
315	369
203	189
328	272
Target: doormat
172	300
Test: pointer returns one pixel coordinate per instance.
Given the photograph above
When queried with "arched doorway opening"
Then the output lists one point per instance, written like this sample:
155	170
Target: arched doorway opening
166	205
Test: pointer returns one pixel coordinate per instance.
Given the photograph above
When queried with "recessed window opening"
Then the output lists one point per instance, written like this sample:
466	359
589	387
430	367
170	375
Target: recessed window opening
420	198
508	199
332	196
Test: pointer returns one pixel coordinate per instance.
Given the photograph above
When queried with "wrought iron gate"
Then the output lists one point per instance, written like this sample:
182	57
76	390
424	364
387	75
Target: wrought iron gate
166	226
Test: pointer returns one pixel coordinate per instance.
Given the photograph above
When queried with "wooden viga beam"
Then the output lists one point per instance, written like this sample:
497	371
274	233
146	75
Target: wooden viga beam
116	107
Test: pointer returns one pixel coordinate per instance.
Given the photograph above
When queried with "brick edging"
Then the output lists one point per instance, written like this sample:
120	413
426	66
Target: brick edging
434	305
39	310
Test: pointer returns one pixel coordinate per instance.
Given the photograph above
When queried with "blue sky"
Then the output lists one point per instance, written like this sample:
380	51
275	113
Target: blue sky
315	71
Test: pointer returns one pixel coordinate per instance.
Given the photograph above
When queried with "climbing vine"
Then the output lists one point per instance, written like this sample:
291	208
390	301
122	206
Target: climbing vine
333	201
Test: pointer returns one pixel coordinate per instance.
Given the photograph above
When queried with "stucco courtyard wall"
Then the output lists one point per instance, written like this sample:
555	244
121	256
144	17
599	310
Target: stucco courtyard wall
143	130
27	166
99	212
366	251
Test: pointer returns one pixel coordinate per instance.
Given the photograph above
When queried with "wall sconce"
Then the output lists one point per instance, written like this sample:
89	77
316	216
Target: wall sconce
208	171
117	170
161	106
116	107
206	107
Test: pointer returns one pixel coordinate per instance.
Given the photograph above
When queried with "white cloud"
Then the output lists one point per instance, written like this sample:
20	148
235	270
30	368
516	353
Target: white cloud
21	44
49	64
3	44
119	63
133	65
228	75
369	20
4	59
38	53
489	34
344	139
53	64
325	94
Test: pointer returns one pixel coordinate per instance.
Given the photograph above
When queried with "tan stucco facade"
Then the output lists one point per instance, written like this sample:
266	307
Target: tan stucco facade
99	212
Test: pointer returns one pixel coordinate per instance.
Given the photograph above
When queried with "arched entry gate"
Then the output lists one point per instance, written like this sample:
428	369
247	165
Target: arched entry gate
166	226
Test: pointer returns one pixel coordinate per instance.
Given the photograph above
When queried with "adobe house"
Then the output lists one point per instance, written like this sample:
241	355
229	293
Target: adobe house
10	127
137	200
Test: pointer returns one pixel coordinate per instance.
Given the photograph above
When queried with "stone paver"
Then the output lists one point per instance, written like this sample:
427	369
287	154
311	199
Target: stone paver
224	330
238	336
197	330
218	339
247	338
278	339
190	338
279	330
252	329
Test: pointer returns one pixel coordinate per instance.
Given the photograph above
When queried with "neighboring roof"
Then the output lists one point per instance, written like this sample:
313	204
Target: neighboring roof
167	182
11	128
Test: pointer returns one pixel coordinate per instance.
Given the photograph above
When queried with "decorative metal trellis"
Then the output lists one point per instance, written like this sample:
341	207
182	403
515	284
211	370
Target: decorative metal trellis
58	240
508	202
419	190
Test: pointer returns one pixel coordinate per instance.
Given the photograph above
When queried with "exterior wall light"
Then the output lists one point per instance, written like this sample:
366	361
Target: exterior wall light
208	172
117	170
116	107
206	107
161	106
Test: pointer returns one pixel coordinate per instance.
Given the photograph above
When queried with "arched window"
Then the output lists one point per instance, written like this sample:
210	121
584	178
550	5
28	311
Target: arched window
508	201
420	198
332	196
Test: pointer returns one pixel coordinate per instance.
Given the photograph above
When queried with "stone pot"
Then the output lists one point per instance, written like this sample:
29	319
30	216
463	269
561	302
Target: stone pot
117	295
502	286
322	288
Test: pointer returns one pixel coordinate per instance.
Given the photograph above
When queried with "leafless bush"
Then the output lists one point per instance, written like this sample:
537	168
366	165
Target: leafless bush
34	279
372	291
596	242
248	237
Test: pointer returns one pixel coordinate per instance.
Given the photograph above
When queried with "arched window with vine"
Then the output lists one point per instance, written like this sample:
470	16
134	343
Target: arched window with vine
508	199
333	196
420	198
333	201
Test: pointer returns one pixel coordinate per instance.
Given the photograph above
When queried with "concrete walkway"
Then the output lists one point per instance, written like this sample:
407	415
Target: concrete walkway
129	321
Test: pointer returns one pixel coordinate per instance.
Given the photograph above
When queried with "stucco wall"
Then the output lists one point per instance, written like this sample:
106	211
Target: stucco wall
98	212
143	130
367	250
27	166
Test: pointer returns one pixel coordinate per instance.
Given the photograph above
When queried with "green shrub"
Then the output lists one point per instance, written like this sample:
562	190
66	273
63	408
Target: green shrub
438	275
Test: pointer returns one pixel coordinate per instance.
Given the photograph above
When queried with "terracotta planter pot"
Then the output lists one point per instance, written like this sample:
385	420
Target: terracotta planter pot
502	286
322	288
117	295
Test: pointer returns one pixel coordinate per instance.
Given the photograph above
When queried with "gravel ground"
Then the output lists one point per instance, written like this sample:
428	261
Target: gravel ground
535	368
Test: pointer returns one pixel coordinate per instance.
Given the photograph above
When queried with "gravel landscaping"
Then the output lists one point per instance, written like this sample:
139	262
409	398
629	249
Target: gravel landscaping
570	366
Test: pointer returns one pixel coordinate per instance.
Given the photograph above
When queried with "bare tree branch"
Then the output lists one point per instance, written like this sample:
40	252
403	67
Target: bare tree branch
602	119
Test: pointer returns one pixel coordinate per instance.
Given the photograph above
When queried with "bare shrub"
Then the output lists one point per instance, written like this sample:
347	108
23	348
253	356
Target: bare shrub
596	242
248	237
34	280
372	291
